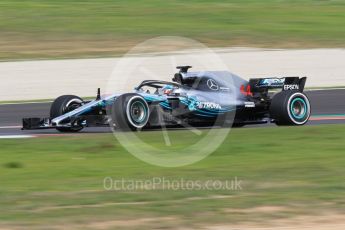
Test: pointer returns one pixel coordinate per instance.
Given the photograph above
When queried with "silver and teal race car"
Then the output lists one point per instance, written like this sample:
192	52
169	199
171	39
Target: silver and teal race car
192	99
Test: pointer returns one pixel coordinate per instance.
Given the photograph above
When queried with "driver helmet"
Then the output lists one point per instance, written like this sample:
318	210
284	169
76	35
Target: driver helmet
167	89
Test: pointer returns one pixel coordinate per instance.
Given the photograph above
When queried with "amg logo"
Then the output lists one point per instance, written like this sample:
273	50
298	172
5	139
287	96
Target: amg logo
208	105
291	87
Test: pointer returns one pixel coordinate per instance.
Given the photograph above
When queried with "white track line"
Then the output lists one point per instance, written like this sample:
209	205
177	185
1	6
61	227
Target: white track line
323	89
23	103
15	136
11	127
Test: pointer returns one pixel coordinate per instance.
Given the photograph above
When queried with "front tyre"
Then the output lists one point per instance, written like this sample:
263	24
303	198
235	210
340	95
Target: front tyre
130	112
290	108
65	104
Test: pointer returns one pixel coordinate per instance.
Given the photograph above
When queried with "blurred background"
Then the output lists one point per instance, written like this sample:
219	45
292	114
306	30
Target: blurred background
86	28
293	177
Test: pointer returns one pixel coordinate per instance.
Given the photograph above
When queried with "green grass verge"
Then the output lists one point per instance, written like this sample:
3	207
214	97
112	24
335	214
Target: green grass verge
59	29
59	180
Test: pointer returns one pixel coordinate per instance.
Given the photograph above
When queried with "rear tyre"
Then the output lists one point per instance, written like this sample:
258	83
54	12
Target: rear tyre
130	112
290	108
65	104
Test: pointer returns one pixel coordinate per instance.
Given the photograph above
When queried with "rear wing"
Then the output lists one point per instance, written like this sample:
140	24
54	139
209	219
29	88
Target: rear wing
285	83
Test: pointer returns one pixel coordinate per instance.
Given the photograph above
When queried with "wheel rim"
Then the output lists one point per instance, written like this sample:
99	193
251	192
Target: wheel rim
138	113
72	105
298	108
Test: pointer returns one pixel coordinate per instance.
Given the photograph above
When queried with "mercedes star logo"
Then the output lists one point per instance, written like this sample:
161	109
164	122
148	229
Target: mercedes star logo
212	84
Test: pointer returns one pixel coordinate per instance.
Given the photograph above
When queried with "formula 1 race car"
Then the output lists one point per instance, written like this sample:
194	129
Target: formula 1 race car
192	98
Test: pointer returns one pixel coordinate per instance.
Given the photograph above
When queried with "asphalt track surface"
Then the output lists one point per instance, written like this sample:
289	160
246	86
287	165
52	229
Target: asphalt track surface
328	107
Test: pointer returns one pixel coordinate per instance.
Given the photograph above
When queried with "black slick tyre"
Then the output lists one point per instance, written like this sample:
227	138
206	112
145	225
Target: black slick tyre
130	112
65	104
290	108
